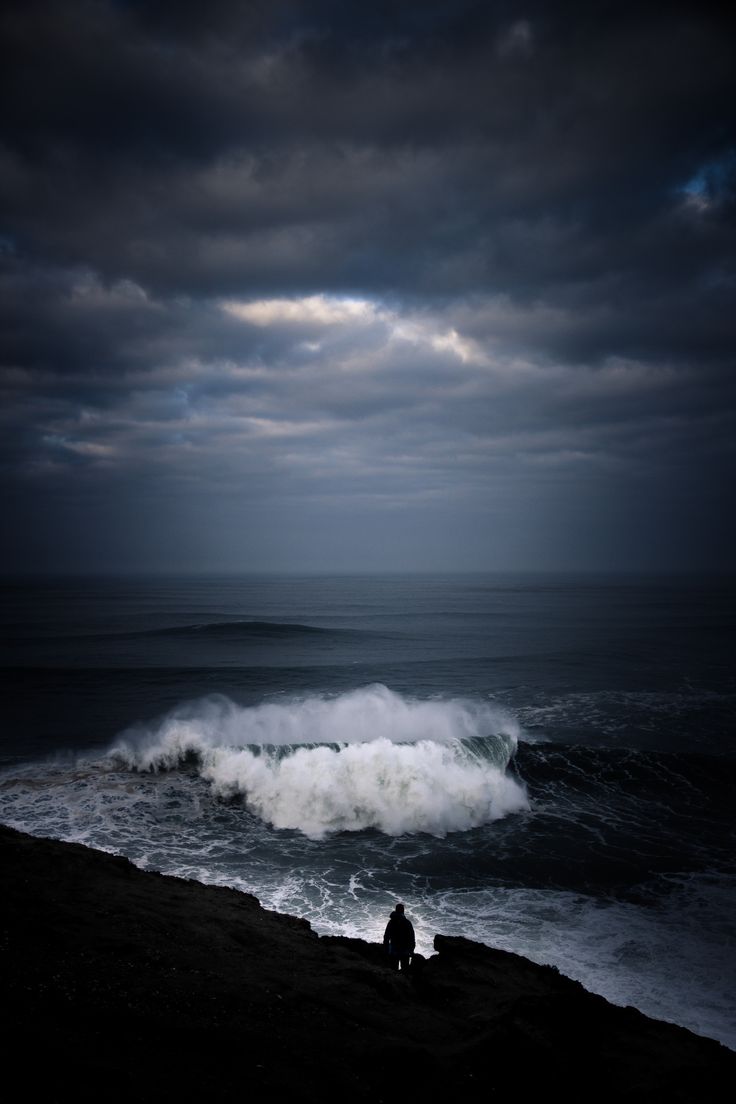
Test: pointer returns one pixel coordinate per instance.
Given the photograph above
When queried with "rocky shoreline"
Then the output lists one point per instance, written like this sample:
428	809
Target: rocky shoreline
124	984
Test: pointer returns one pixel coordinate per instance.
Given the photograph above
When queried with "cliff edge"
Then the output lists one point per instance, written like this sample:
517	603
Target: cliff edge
124	984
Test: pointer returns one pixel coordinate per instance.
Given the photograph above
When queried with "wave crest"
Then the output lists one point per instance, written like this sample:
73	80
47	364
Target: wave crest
369	758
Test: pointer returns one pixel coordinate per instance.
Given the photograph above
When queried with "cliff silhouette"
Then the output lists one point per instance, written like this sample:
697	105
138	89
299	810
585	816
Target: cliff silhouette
122	984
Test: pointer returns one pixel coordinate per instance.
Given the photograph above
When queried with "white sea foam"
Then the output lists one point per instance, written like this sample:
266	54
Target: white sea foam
366	759
397	788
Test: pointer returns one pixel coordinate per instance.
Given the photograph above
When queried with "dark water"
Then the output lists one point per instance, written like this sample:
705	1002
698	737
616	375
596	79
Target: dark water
545	764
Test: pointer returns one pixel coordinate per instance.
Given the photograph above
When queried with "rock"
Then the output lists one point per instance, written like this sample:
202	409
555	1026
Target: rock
132	985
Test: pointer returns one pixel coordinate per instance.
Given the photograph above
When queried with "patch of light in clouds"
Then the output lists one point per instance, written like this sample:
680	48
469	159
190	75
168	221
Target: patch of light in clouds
321	310
328	311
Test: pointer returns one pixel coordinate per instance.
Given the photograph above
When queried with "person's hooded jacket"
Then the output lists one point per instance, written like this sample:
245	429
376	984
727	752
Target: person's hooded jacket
399	934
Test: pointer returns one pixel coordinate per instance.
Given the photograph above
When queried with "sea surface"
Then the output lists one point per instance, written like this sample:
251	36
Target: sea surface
545	764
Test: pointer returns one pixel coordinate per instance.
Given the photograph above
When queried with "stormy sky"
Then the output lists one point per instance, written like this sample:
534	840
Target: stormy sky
336	286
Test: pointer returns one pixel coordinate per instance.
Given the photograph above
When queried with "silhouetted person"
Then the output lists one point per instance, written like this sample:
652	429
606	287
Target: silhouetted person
398	939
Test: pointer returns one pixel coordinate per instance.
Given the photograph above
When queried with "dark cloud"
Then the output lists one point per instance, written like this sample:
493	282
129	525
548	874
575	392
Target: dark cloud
349	262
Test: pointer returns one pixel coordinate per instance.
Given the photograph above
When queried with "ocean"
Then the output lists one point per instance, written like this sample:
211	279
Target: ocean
546	764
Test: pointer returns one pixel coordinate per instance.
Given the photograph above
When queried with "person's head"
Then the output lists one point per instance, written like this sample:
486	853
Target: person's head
399	908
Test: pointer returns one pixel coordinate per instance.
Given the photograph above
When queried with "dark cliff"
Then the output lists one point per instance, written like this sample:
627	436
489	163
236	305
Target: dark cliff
122	984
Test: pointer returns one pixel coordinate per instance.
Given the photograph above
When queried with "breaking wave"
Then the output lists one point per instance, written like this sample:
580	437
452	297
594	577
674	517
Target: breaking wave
370	758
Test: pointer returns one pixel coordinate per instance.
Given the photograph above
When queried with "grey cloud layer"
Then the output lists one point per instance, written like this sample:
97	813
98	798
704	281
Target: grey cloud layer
529	207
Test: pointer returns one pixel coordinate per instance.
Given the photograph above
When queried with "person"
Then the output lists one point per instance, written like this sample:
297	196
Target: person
398	939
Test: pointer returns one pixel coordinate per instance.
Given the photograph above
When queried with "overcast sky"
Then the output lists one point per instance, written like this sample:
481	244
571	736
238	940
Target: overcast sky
367	286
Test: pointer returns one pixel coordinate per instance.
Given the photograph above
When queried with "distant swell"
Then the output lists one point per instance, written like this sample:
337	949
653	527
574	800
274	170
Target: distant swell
366	759
227	630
